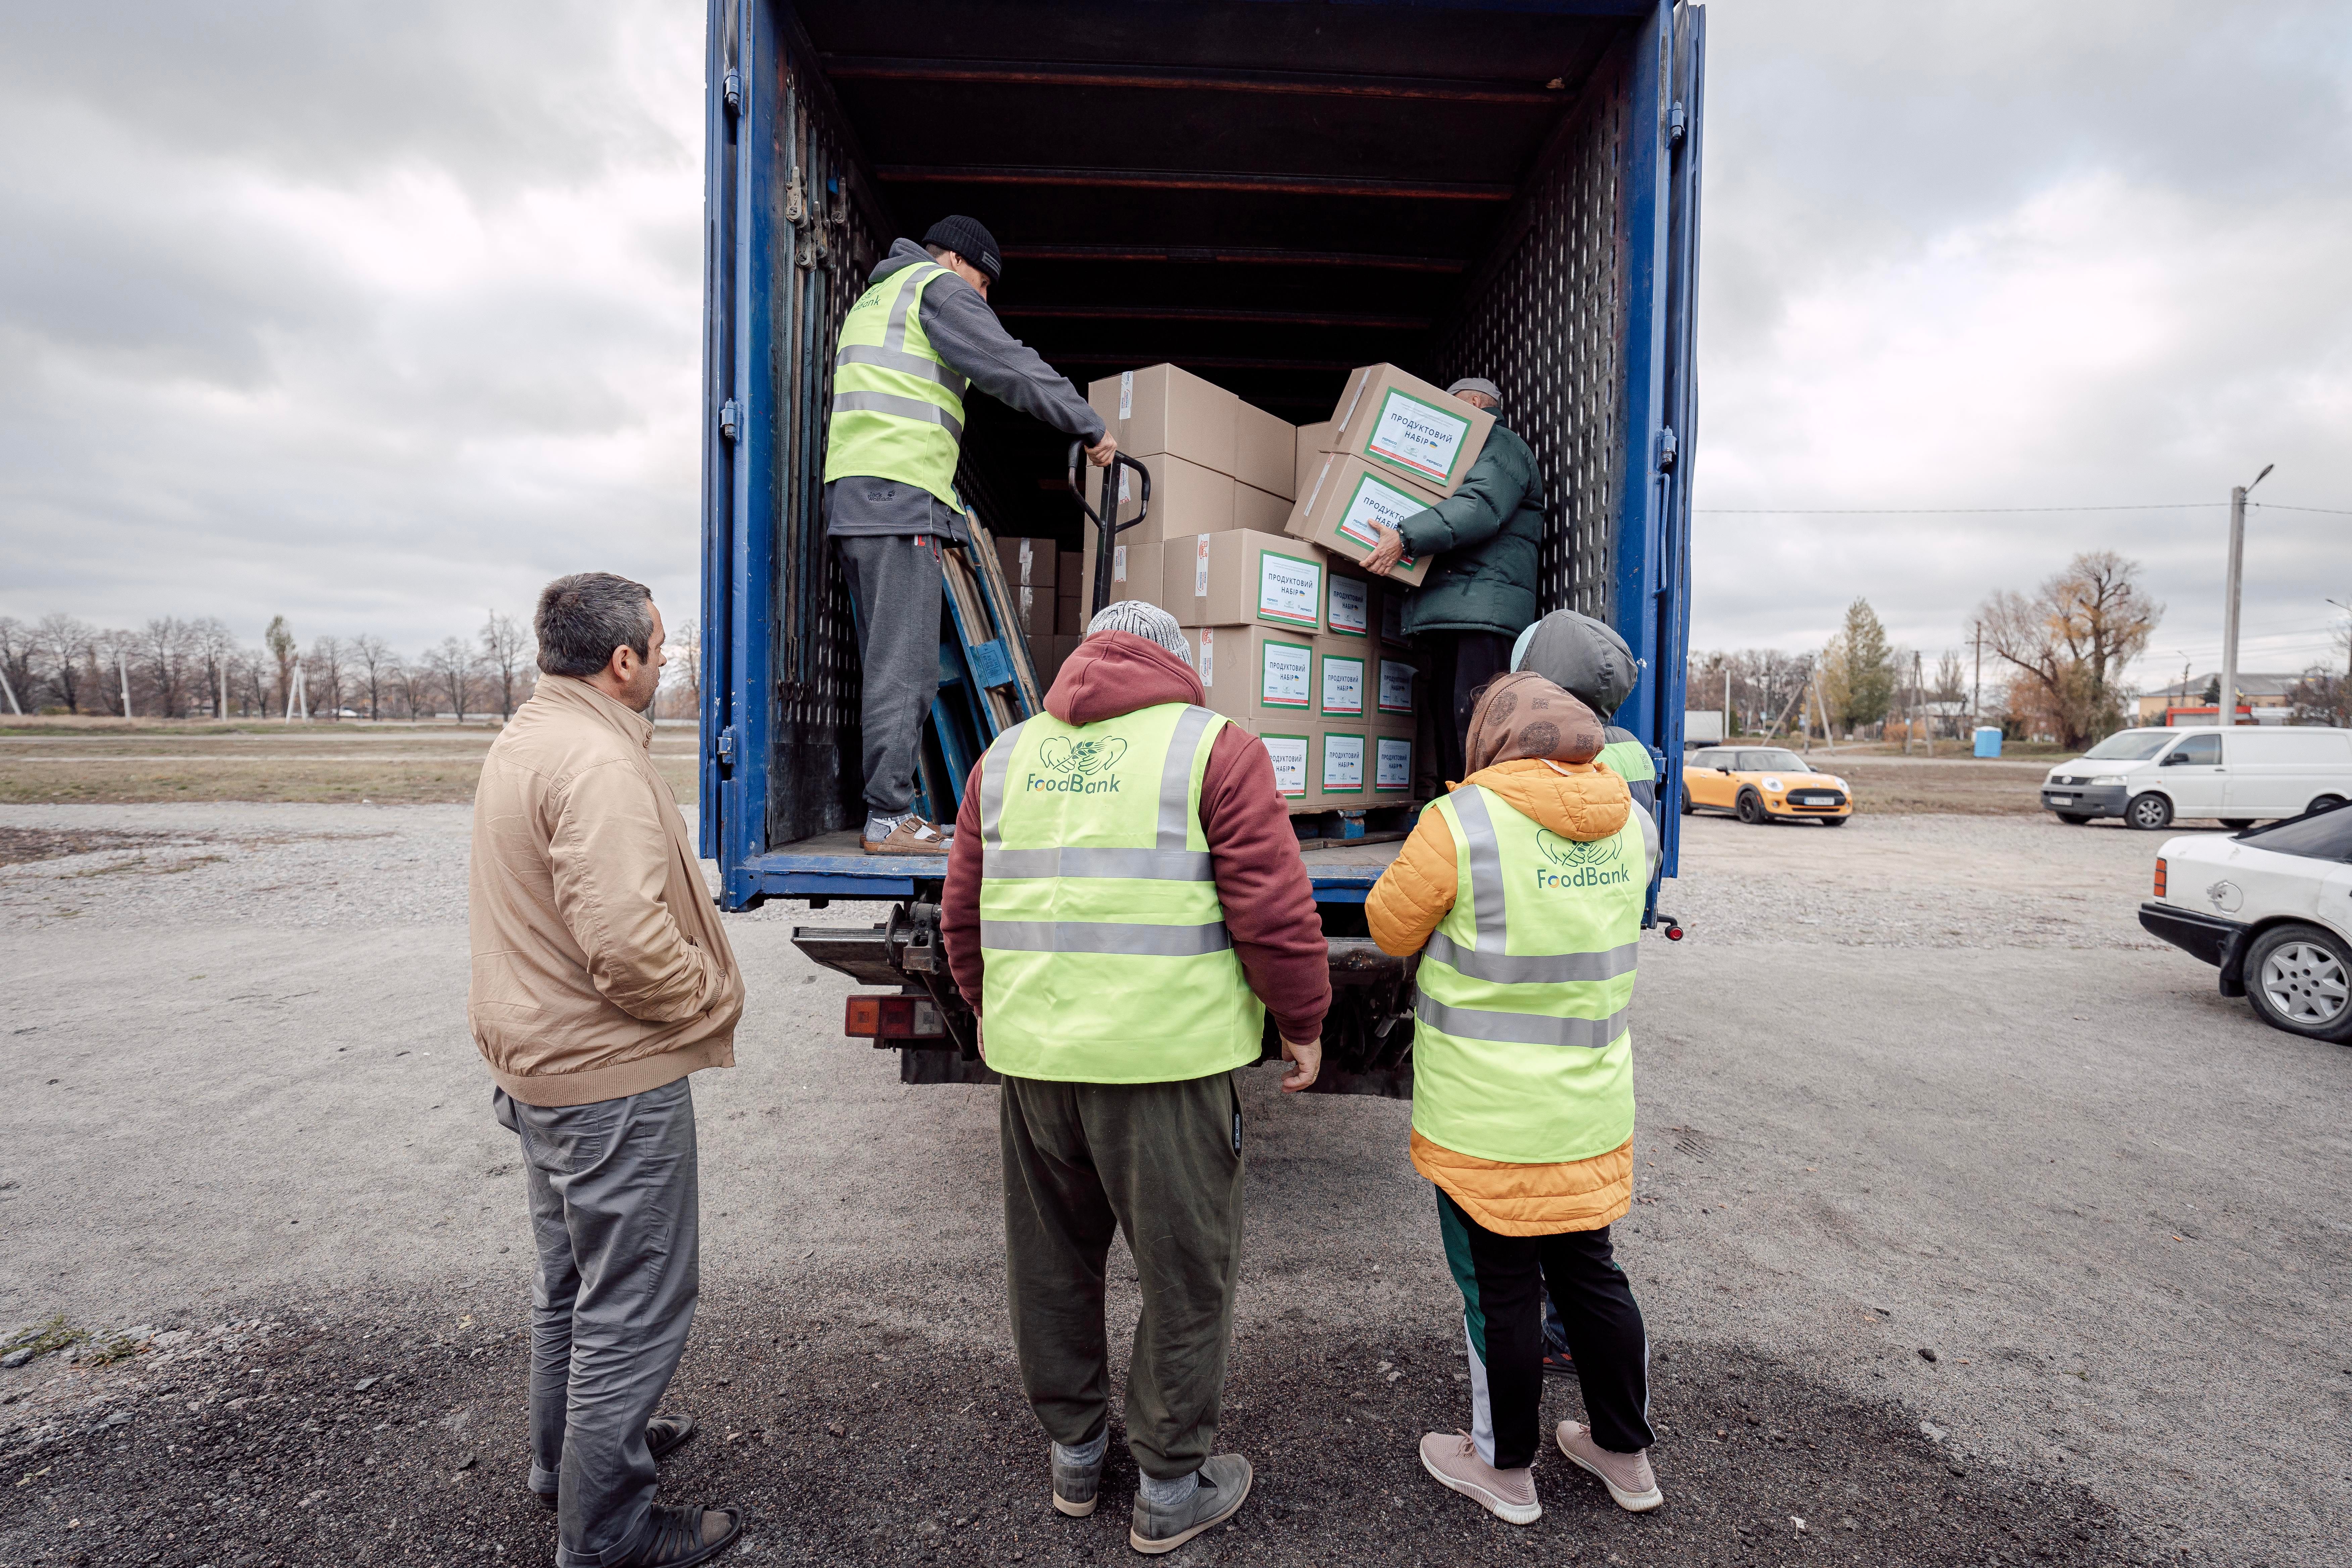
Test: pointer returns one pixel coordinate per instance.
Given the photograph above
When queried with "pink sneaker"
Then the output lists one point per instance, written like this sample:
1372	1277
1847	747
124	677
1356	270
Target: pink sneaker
1510	1495
1628	1476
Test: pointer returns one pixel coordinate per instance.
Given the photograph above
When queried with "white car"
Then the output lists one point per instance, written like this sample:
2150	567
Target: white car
2272	908
2238	777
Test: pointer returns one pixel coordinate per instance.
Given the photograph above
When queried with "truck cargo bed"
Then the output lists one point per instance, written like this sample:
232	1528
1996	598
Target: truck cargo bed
831	866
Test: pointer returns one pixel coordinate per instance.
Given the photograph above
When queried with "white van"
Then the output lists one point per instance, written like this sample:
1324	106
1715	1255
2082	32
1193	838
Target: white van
2238	777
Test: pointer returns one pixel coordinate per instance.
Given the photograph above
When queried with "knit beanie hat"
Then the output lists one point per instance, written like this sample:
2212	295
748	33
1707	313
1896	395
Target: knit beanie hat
967	239
1145	620
1477	383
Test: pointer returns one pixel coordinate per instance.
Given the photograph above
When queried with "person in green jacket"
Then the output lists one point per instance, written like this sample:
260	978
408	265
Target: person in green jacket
1481	588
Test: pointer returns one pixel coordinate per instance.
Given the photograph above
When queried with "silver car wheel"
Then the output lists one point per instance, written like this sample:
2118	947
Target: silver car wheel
2307	983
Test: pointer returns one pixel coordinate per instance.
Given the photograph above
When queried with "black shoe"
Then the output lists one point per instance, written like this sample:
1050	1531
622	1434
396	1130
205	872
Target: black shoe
664	1436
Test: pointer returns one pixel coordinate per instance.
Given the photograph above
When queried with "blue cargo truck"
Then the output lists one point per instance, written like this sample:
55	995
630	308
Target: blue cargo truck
1268	193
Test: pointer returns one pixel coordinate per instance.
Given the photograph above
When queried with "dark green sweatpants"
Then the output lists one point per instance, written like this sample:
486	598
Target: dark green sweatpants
1161	1162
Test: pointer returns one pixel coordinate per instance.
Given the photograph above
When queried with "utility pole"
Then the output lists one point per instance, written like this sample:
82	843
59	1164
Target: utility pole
1918	701
2228	715
1976	692
122	667
12	694
1727	700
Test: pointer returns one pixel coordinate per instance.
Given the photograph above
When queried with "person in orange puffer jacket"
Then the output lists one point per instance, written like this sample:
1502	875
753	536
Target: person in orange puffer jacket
1518	1232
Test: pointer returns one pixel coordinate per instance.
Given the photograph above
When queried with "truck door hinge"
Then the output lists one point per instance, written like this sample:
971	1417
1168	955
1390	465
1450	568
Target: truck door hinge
727	747
730	421
1666	450
734	93
1677	125
796	199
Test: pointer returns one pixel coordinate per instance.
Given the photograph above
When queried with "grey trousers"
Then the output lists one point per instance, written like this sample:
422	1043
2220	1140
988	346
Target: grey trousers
896	582
612	1209
1161	1162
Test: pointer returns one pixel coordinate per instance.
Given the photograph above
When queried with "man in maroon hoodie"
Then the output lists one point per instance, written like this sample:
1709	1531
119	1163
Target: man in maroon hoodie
1147	834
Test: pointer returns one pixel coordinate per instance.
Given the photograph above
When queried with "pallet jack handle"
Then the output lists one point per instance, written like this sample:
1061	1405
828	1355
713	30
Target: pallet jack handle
1106	522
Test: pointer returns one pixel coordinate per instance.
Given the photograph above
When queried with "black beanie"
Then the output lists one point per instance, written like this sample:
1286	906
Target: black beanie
968	240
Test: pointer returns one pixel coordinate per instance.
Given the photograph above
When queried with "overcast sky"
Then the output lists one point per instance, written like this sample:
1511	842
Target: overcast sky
379	317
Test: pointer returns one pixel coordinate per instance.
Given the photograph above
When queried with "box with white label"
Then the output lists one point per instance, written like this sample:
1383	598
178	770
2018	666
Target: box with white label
1409	429
1163	409
1343	677
1348	602
1346	505
1134	572
1291	751
1392	682
1340	756
1258	674
1241	577
1392	765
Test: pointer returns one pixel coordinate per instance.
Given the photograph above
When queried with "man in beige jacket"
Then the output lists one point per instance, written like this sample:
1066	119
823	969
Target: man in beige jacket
601	979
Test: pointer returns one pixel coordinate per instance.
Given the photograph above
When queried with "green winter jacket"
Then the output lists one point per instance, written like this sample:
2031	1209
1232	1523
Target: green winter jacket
1483	537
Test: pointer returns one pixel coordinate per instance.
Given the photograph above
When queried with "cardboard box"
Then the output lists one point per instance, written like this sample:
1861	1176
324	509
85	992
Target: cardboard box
1409	429
1346	500
1164	409
1241	576
1069	612
1392	766
1292	751
1134	573
1066	580
1313	440
1046	654
1391	681
1257	508
1344	691
1186	499
1260	675
1265	452
1034	610
1349	601
1028	562
1343	764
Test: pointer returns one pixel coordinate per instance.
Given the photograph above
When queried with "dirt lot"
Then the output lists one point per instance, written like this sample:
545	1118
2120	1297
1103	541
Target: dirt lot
114	762
1973	1227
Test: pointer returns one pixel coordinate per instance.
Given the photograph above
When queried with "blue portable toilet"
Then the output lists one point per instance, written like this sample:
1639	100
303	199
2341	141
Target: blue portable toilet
1988	741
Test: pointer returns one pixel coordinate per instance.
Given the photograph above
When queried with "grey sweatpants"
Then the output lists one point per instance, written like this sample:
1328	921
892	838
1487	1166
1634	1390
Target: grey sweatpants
1161	1162
613	1210
896	581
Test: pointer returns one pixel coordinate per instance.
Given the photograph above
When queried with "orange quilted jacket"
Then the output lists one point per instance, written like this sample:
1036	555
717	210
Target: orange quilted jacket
1576	800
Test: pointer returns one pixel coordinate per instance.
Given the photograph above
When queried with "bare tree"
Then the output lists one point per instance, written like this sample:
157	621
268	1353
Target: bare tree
506	651
374	659
166	651
681	688
2068	645
279	640
413	682
322	677
452	666
110	656
17	640
64	643
215	648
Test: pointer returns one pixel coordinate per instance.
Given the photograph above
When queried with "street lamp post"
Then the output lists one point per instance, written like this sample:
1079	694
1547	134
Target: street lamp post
2228	714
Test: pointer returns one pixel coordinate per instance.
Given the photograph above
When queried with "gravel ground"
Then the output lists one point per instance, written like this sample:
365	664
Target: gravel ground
2025	1237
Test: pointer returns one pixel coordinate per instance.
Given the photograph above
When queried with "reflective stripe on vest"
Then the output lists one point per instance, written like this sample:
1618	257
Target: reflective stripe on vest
1521	1050
898	407
1108	960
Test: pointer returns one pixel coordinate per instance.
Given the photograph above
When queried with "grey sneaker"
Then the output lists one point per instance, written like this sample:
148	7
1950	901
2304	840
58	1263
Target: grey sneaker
1225	1487
1451	1460
1076	1487
1628	1476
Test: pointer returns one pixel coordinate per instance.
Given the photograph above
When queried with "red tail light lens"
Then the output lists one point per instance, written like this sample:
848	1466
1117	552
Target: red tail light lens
2159	876
897	1017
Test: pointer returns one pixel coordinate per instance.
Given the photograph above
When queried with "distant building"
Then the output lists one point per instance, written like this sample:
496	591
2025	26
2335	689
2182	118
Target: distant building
2262	698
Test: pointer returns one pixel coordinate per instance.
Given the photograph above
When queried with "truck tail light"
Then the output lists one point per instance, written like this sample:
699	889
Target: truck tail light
895	1017
2159	876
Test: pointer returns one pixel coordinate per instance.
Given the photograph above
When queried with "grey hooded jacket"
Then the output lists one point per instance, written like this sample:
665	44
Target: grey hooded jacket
967	334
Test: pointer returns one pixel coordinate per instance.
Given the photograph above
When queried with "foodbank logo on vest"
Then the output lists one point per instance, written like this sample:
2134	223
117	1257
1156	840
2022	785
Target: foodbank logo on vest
1575	864
1078	767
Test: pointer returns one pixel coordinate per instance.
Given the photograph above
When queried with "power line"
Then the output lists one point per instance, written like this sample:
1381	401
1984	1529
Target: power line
2324	511
1952	511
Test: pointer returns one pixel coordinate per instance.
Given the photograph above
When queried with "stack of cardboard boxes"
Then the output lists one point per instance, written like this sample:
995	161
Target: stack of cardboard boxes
1253	540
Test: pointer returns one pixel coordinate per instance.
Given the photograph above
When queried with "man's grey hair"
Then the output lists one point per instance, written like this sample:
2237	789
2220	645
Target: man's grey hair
583	617
1147	621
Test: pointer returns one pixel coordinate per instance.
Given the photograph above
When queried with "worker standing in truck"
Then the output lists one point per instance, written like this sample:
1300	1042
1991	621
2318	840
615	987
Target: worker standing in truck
1481	587
918	338
1522	891
1125	904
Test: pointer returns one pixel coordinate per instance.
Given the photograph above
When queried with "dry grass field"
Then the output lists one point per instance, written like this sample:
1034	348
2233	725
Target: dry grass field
120	762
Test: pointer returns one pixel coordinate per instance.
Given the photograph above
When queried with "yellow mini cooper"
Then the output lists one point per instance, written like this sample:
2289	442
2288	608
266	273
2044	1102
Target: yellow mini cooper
1763	784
